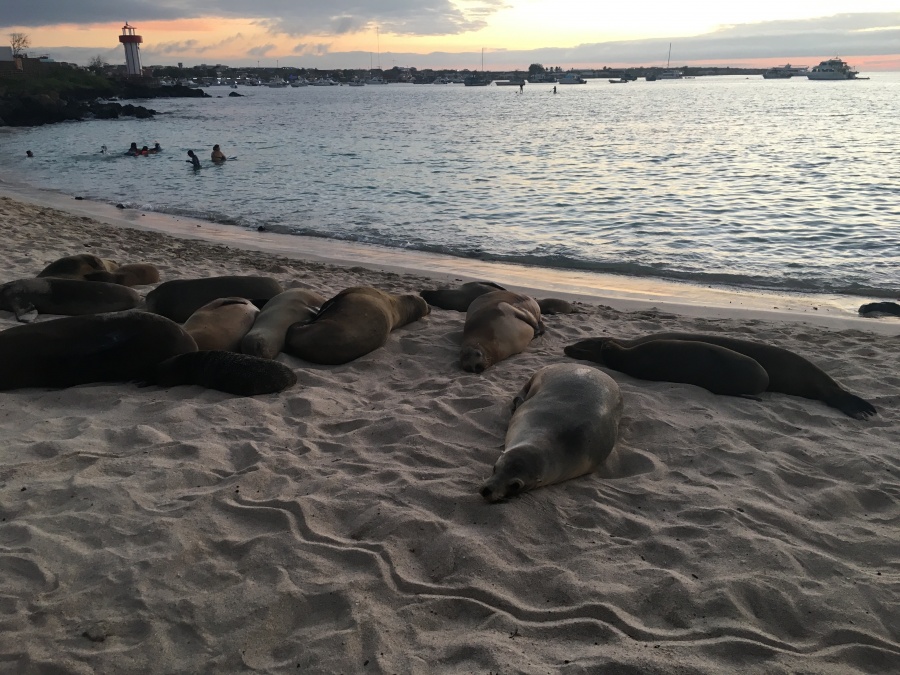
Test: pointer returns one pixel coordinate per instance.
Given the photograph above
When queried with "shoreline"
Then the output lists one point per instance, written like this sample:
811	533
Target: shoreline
619	292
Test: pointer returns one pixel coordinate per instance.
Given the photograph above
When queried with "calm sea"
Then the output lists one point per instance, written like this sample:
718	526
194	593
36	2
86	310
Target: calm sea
787	185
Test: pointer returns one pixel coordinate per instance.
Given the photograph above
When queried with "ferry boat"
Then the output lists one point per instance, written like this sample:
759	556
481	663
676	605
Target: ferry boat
833	69
572	78
785	72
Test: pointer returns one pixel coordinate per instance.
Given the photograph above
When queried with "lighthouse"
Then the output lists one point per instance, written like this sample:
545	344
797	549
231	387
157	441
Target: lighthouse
132	50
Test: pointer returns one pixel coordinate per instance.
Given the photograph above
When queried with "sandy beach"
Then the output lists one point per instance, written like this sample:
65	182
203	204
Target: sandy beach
336	527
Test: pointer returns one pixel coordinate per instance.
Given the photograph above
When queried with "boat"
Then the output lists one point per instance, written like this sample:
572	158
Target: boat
833	69
299	82
376	80
276	84
621	80
478	79
785	72
668	73
356	83
324	82
571	78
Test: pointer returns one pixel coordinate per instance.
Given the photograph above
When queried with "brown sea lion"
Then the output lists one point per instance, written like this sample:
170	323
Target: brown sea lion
221	324
115	347
239	374
353	323
498	325
788	373
266	338
133	274
565	424
720	370
70	297
180	298
78	266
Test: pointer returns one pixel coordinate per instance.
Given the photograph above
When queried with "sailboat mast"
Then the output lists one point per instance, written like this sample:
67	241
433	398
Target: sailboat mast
378	46
669	57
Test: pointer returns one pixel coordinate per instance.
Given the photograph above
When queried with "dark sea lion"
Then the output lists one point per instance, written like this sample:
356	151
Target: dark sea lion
720	370
788	373
353	323
565	424
239	374
70	297
266	338
459	298
498	325
115	347
220	325
180	298
556	306
77	266
891	308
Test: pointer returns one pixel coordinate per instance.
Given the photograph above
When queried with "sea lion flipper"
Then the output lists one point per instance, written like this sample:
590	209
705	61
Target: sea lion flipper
26	313
525	316
851	405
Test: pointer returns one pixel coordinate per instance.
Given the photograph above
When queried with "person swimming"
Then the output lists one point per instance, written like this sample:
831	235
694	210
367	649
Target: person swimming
155	149
193	159
217	155
133	150
29	153
103	149
145	151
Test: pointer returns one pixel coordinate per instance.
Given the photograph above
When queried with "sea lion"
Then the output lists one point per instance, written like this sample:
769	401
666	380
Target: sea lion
266	338
565	423
71	297
115	347
351	324
788	373
891	308
498	325
460	298
77	266
239	374
180	298
221	324
133	274
720	370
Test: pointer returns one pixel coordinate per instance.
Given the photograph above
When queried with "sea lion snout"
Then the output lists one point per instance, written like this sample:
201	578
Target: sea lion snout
493	492
472	360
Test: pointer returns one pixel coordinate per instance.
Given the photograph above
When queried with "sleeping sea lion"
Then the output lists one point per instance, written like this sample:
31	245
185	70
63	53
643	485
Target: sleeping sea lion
239	374
133	274
565	424
115	347
788	373
70	297
460	298
498	325
266	338
891	308
77	266
221	324
720	370
353	323
180	298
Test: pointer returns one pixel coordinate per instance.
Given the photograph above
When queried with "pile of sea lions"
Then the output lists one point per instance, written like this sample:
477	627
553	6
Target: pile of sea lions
225	333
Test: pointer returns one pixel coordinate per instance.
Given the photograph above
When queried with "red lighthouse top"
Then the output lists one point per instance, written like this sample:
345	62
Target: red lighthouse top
128	35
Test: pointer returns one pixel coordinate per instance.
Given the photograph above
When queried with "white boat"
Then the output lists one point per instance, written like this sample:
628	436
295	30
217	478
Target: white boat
299	82
571	78
671	75
833	69
276	84
785	72
376	80
324	82
356	83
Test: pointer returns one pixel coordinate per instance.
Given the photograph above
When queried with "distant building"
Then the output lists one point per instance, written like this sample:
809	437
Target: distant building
6	54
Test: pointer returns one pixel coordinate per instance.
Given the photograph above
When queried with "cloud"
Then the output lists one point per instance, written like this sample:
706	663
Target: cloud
300	17
262	50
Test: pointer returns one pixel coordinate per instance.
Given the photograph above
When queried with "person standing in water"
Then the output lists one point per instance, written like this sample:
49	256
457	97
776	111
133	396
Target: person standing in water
217	155
193	159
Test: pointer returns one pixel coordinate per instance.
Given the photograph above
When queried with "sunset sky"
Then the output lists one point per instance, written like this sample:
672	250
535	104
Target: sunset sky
451	34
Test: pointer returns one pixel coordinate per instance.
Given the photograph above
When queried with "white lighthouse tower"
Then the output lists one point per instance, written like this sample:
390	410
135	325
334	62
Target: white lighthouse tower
132	50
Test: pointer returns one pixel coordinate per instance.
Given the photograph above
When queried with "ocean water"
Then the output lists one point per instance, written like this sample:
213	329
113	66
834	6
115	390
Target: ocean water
783	185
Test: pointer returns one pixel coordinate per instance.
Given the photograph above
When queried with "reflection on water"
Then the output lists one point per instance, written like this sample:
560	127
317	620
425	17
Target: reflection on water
783	184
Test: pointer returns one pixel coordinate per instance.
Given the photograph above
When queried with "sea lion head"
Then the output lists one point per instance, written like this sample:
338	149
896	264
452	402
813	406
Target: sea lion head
516	471
588	350
474	359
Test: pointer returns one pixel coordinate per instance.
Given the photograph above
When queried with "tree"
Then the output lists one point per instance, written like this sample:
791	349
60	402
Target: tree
97	64
19	43
534	69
